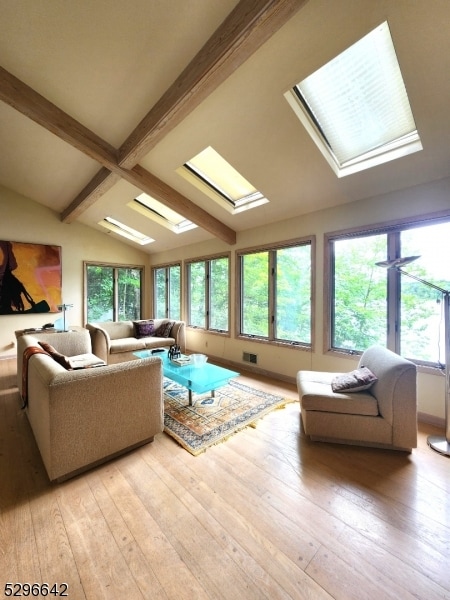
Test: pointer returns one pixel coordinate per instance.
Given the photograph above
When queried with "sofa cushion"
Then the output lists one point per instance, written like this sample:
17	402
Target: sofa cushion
143	328
129	344
163	331
356	381
316	395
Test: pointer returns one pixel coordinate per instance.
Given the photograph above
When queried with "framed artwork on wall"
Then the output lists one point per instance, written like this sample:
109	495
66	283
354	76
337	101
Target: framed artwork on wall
30	278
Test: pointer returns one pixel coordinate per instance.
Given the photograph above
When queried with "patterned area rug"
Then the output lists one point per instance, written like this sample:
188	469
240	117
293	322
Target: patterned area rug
211	420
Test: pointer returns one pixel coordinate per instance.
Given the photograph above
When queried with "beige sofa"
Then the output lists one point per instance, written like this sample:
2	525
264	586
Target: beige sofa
83	417
115	341
383	416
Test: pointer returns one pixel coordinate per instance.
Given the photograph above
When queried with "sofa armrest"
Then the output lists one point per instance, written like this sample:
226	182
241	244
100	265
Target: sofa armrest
101	341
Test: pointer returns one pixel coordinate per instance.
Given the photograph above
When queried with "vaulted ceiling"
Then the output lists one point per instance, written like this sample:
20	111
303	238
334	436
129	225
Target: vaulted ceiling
103	100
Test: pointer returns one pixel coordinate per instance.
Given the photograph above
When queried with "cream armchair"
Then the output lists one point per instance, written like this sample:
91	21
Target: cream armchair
384	416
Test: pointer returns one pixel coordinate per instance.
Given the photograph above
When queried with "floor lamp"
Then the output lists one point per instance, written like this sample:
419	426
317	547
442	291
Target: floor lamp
439	443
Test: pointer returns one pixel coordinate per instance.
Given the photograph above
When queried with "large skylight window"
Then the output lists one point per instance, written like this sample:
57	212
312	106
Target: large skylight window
356	107
161	214
125	231
214	176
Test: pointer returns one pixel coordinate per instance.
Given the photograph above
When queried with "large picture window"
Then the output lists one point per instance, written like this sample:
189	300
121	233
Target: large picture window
113	293
167	292
370	305
208	286
275	293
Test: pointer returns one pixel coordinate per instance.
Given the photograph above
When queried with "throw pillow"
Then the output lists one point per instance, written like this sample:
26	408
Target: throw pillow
57	356
143	328
355	381
164	329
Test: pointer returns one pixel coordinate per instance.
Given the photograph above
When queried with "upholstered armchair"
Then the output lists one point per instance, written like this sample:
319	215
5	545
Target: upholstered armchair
384	415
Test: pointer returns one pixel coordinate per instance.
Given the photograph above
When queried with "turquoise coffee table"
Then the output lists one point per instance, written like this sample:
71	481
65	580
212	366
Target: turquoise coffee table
206	378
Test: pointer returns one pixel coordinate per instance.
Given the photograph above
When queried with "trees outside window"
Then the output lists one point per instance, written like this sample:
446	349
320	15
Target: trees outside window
208	287
167	292
113	293
370	305
275	293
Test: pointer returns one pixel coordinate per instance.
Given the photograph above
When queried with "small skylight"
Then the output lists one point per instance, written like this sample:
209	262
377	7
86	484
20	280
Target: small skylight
158	212
125	231
356	107
214	176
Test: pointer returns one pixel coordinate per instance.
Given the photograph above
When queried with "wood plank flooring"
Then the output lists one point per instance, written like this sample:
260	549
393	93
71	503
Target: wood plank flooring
265	515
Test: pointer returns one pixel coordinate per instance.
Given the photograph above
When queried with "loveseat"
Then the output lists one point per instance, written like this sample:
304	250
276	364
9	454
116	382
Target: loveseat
85	416
116	341
384	415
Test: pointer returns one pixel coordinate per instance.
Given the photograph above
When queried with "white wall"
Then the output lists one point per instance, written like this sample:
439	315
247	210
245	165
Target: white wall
23	220
287	361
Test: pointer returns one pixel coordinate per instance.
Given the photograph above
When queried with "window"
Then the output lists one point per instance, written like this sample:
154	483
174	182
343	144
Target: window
113	293
275	293
356	107
125	231
213	175
161	214
370	305
167	292
208	293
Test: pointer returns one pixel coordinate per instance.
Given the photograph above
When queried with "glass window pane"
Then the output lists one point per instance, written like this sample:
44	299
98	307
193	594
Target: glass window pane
175	292
218	295
255	294
160	293
99	293
197	296
129	294
421	307
359	310
293	294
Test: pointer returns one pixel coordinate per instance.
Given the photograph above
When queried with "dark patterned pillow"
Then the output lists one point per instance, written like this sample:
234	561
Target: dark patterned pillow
164	329
355	381
143	328
57	356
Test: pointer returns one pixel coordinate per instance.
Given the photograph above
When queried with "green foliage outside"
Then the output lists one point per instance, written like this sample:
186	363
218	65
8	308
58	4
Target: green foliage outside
101	293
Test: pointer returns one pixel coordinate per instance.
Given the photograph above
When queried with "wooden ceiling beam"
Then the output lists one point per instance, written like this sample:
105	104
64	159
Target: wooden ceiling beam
24	99
247	27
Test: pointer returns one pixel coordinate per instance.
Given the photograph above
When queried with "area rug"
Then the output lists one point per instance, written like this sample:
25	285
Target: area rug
211	420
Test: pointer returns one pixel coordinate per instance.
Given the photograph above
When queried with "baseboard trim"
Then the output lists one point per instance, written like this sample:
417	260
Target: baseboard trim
431	420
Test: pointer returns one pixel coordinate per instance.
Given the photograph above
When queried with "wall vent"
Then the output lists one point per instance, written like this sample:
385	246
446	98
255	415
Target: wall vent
250	358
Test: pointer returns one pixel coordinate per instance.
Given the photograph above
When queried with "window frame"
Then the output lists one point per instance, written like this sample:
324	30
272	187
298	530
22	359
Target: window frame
167	268
207	261
272	249
115	267
393	230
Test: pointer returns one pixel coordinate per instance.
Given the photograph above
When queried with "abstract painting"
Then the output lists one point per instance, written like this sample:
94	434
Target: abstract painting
30	278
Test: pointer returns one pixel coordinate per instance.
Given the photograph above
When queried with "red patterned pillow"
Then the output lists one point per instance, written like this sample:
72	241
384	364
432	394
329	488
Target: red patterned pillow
57	356
144	328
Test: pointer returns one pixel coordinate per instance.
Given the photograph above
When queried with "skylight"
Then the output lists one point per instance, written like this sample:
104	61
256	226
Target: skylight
214	176
356	107
158	212
125	231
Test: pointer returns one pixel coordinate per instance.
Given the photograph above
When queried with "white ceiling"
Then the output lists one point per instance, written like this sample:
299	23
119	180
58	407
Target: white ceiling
107	63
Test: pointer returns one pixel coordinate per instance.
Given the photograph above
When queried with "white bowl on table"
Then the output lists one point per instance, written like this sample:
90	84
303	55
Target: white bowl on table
198	360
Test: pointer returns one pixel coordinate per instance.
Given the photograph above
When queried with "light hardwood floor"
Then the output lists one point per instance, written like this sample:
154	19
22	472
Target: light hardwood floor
267	514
